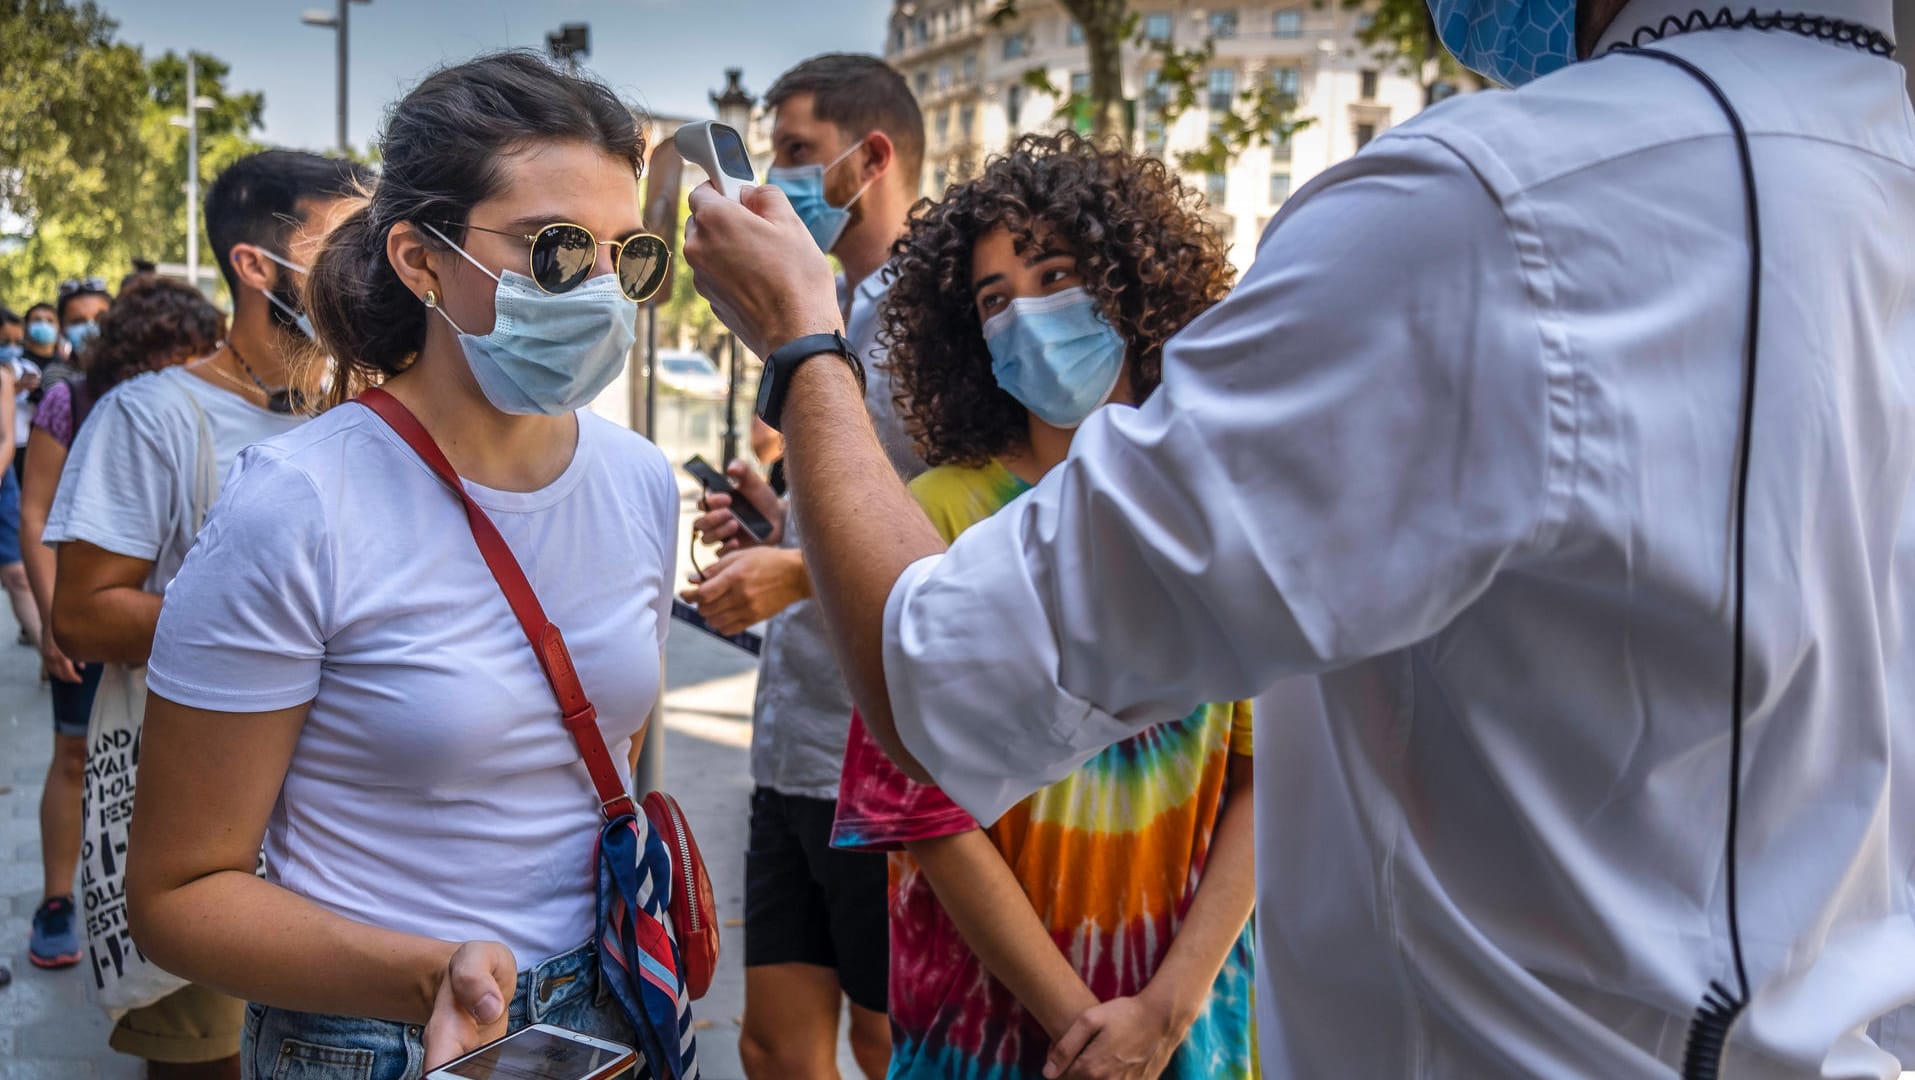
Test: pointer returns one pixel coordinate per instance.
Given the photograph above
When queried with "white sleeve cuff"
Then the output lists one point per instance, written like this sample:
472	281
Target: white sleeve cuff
971	662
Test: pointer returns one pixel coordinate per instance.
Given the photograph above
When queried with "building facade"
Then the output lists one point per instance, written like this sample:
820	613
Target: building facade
969	76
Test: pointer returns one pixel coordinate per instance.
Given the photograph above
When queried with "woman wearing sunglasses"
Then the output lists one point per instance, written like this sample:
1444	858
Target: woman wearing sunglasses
336	672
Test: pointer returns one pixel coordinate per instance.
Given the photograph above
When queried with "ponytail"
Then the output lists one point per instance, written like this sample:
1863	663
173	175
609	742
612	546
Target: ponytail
363	315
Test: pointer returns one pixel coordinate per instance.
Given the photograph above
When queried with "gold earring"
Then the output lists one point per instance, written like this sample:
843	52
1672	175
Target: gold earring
432	298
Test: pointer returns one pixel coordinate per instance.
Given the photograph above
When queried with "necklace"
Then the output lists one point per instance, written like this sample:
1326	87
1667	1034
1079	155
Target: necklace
279	401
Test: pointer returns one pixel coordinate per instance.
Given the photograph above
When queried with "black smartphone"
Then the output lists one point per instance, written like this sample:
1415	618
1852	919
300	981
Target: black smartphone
718	483
689	615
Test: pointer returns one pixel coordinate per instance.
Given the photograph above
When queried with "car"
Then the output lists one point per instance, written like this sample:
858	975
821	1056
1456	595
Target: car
690	373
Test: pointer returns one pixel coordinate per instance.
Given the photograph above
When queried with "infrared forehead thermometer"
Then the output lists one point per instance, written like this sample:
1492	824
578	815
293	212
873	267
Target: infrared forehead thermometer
717	149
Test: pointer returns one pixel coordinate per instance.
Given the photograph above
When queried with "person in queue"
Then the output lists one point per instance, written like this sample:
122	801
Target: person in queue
1111	907
847	143
139	478
79	303
154	324
337	673
1452	480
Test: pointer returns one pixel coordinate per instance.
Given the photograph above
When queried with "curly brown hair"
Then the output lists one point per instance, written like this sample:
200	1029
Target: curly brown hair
154	323
1142	246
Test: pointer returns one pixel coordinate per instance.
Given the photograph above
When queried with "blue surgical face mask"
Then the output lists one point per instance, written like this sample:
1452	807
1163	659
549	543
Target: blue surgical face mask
548	353
1056	355
79	333
1509	41
294	316
804	185
42	334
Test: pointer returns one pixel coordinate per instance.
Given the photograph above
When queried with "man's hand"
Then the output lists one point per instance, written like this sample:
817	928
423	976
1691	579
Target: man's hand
1129	1038
759	267
54	662
718	526
747	587
470	1010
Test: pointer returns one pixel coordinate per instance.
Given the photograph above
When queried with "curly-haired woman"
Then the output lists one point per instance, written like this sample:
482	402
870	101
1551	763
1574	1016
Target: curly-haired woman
1102	924
155	324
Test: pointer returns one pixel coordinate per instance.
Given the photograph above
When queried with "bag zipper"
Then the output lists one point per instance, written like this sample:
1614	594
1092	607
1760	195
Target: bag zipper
684	862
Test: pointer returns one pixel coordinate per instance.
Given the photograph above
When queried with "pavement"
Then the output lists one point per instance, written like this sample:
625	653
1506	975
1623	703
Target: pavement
48	1030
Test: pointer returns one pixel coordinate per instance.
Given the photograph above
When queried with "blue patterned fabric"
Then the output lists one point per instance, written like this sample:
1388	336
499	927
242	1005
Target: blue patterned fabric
1509	41
639	963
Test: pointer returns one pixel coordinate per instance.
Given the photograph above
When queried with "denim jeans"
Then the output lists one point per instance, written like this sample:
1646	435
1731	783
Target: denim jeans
279	1044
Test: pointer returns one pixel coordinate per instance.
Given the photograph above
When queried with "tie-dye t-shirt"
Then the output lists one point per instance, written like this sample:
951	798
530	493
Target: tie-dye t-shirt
1110	858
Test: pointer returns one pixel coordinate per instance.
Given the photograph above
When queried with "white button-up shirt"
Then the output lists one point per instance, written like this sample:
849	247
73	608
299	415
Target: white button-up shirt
1451	471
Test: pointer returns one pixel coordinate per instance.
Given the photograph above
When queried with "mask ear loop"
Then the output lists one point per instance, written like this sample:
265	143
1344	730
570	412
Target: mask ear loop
467	256
839	160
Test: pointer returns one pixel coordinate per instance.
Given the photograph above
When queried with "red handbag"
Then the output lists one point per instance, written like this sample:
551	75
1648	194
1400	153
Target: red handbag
693	912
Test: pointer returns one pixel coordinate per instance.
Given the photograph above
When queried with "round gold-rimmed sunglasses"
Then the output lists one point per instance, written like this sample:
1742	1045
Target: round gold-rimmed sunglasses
563	255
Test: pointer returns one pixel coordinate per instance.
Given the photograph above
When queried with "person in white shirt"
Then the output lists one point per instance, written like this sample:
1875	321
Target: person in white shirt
142	472
1453	469
337	672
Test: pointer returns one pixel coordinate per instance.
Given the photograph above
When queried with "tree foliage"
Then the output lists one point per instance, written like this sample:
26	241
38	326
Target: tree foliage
92	169
1260	113
1403	32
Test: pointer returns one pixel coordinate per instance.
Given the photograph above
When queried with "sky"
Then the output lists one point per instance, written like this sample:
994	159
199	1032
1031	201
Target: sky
665	55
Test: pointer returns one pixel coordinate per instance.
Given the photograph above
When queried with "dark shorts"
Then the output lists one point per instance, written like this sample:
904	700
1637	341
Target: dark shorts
807	902
73	702
9	518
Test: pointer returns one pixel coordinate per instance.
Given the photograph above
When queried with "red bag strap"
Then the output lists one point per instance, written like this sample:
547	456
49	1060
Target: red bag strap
575	710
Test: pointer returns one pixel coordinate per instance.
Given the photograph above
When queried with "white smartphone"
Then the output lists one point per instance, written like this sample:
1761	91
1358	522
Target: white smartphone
542	1052
720	151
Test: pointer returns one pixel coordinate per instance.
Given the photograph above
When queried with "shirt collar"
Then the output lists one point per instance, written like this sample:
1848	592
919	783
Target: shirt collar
1874	14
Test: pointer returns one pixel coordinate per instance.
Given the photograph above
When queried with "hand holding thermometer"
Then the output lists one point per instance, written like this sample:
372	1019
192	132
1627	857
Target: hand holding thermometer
717	149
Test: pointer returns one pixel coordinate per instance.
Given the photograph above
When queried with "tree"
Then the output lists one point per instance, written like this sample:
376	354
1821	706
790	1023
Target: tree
1405	31
92	171
1262	113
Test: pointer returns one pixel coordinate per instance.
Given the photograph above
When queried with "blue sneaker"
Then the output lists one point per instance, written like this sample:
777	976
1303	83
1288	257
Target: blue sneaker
55	942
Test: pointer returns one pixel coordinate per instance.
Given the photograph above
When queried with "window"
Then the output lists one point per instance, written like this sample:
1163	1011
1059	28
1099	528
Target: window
920	31
1015	46
1290	23
1216	188
1154	101
1279	187
897	40
1080	84
1157	27
1364	133
1280	150
943	127
1223	89
1073	33
1223	24
1368	85
1285	79
939	179
967	122
944	76
970	68
922	82
1014	107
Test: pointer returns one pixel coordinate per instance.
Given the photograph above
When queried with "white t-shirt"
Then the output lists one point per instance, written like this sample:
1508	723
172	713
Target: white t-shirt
22	402
433	789
128	486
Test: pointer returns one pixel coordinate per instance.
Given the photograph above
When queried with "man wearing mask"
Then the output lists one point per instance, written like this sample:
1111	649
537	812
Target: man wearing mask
848	142
40	337
1454	479
143	472
13	329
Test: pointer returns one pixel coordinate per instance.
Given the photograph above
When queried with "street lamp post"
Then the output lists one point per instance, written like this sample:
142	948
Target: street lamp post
194	105
734	111
337	23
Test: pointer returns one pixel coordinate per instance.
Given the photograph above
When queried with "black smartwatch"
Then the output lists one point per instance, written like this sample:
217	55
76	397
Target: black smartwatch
775	381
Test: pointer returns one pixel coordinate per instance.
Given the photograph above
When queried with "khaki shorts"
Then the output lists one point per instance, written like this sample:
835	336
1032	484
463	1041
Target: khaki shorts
189	1025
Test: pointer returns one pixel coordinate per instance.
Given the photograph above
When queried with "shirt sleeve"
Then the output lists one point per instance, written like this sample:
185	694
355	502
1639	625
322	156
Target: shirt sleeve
55	413
1342	455
119	489
880	808
244	625
1242	739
